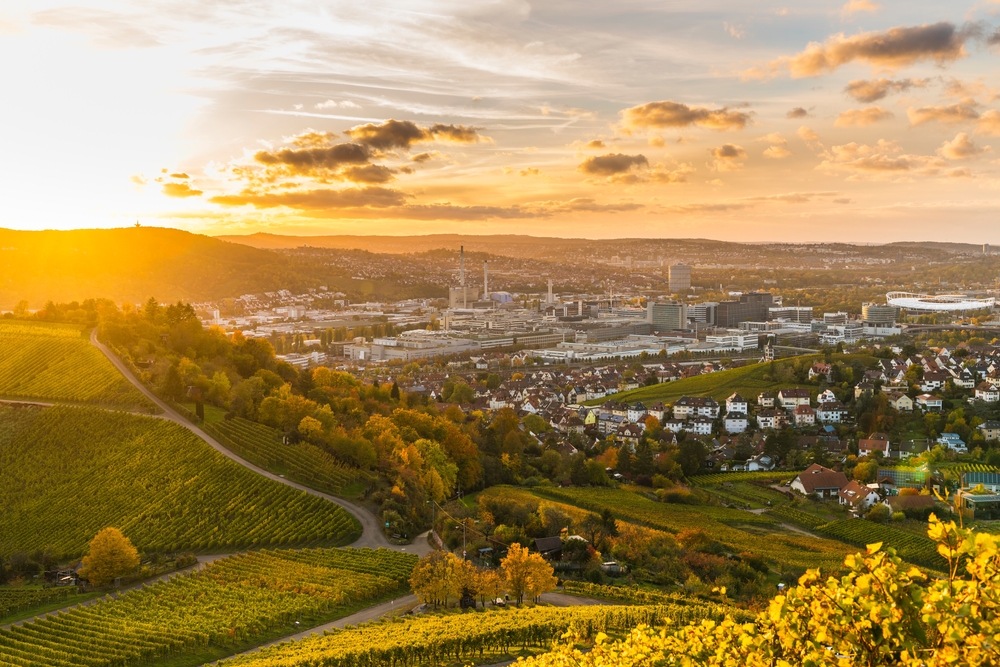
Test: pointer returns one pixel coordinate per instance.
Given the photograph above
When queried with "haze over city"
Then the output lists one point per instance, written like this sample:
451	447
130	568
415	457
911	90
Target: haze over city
860	121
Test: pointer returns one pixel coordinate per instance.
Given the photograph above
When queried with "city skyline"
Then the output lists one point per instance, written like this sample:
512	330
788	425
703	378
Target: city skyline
856	121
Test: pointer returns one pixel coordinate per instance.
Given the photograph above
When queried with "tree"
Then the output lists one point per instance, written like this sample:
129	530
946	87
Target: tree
691	455
437	577
625	460
394	392
643	463
526	573
111	555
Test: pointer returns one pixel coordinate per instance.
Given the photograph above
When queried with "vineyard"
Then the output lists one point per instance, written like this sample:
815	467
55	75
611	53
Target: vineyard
797	517
909	546
443	639
303	462
66	473
52	362
796	551
231	604
759	476
636	595
15	600
749	493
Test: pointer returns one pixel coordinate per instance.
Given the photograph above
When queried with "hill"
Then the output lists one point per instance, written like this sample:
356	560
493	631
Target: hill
748	381
66	473
135	263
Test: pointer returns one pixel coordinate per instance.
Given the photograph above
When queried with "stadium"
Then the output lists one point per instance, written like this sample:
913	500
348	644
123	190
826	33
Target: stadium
938	303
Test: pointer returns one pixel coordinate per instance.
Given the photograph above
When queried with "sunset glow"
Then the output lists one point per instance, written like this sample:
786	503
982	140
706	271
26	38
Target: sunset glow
758	121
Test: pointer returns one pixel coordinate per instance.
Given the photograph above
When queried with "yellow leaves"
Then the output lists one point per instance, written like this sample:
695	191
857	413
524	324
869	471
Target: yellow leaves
874	547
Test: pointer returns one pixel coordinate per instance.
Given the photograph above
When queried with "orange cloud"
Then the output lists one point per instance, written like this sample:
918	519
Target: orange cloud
862	117
961	148
403	134
893	48
322	198
612	164
871	91
854	6
667	114
727	157
989	123
952	113
797	112
180	190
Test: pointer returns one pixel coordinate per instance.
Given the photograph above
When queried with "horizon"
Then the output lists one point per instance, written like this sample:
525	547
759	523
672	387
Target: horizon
854	119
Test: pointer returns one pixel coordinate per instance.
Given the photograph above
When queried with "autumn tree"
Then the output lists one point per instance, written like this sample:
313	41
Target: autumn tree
440	575
526	573
111	555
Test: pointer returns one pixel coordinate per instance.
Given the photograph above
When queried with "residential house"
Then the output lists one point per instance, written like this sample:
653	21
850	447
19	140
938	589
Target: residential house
635	412
760	462
864	389
737	403
832	413
692	406
672	425
952	441
659	410
789	398
910	503
765	400
803	415
858	496
931	403
990	429
820	369
900	402
629	434
826	396
700	425
987	393
736	422
823	482
876	442
772	418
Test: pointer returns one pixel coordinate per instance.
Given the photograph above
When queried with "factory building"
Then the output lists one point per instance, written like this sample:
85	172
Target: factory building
752	306
667	315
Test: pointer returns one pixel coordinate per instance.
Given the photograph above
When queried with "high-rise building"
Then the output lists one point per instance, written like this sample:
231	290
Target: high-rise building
679	278
878	313
667	315
986	248
750	307
703	313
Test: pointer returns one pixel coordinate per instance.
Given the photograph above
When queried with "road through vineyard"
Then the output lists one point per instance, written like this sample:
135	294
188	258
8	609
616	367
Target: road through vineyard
371	529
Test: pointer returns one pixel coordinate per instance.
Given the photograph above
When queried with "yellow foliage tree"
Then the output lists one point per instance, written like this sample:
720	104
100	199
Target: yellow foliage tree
882	612
526	573
111	555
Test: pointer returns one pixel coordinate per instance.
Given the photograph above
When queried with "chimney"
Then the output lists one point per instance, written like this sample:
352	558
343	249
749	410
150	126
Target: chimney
461	266
486	280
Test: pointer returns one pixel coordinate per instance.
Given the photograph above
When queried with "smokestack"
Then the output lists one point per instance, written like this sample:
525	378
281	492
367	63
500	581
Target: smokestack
486	280
550	292
461	265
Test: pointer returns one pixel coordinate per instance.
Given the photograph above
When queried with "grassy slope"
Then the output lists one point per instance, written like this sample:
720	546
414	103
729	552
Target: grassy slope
748	381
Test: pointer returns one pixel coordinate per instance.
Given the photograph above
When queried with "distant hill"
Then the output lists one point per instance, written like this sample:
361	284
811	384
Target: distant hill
507	243
135	263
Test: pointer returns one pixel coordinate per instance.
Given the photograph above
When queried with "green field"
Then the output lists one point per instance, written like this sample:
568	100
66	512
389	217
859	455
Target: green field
66	473
302	462
748	381
231	604
57	363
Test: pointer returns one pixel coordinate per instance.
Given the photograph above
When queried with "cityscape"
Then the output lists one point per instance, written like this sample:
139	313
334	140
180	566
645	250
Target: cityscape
438	334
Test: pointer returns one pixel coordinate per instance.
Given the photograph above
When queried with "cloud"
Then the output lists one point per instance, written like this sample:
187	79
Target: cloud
138	179
656	141
953	113
841	200
331	104
792	197
107	29
967	91
421	157
989	123
699	208
529	171
370	174
404	133
879	162
322	198
727	157
661	174
862	117
777	152
667	114
854	6
181	175
797	112
961	148
868	91
890	49
314	161
734	31
595	143
806	134
612	164
180	190
959	172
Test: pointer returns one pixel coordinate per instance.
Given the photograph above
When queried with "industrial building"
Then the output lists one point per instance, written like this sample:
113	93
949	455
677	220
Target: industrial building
753	306
667	315
703	313
876	313
679	278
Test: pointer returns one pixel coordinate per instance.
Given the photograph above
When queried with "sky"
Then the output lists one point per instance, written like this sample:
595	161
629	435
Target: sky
857	121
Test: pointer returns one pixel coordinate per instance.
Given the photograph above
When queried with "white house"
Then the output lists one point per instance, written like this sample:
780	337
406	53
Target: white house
700	425
789	398
858	496
987	393
928	402
831	413
737	403
804	415
737	422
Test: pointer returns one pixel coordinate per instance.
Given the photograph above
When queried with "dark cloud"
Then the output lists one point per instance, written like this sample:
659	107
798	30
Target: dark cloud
729	152
667	114
612	163
315	160
952	113
323	198
421	157
797	112
403	133
371	174
180	190
181	175
871	91
595	143
896	47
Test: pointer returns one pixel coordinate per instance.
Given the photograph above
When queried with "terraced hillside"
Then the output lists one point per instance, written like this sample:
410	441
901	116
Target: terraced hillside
66	473
56	362
231	604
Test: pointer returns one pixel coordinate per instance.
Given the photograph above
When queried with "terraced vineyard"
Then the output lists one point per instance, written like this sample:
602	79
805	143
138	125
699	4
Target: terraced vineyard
908	546
636	595
756	476
303	462
431	639
66	473
231	604
56	362
797	516
14	600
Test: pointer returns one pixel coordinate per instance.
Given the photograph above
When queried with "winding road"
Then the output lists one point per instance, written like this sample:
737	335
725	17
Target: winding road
371	529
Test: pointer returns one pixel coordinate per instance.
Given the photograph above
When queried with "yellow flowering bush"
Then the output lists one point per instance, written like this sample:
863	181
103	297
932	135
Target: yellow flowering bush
882	612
